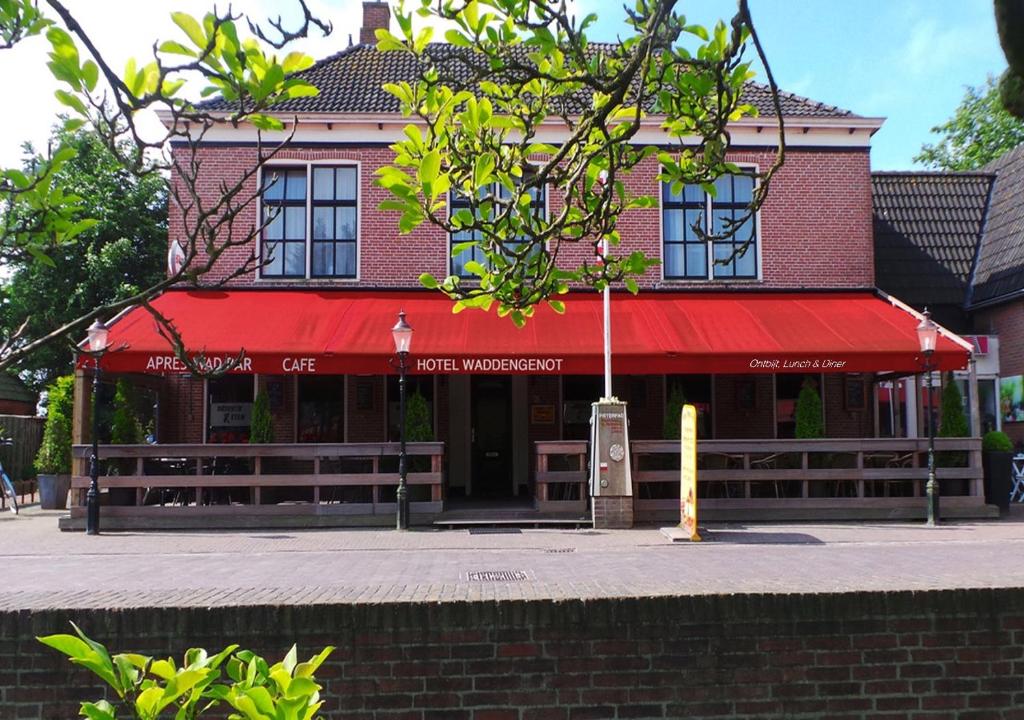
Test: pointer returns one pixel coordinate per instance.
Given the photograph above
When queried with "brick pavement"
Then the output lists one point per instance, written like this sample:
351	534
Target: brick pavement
45	568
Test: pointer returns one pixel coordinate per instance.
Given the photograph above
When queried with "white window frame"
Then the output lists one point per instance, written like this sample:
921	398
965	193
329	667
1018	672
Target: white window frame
293	163
709	276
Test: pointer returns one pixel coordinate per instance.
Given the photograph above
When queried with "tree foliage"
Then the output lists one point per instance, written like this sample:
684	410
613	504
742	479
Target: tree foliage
118	256
1010	25
980	131
44	218
125	428
419	425
512	72
261	424
672	425
952	418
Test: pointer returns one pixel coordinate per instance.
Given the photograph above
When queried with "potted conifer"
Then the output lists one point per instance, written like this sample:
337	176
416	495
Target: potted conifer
53	463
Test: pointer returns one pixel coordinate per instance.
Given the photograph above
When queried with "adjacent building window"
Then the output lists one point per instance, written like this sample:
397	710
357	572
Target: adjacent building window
689	257
460	202
322	223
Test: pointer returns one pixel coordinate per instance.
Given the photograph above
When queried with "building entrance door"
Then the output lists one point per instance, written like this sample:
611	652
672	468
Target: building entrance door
491	436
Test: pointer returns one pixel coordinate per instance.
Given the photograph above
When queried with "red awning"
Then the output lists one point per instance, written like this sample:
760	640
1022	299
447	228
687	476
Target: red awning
349	332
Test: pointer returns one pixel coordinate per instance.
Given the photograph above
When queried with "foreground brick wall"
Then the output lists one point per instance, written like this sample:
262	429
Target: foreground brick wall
860	655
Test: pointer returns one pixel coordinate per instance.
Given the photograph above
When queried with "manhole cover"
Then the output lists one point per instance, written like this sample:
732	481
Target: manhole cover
497	576
559	551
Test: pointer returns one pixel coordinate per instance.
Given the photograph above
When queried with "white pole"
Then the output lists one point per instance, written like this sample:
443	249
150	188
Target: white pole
607	330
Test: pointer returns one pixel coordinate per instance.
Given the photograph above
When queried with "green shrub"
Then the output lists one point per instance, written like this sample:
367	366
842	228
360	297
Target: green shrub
673	410
261	425
126	428
54	456
996	441
419	425
809	423
148	689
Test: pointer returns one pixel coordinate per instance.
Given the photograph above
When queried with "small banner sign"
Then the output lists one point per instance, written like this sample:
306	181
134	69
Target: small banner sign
688	473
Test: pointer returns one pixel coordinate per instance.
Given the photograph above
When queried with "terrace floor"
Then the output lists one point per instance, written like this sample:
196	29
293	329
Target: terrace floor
42	567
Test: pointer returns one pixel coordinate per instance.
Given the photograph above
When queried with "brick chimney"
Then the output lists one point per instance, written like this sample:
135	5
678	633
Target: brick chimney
375	15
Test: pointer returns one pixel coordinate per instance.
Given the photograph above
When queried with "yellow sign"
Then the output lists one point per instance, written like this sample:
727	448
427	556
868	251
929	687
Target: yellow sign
688	473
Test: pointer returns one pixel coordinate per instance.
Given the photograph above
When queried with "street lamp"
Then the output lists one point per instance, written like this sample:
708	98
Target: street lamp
98	335
927	334
402	334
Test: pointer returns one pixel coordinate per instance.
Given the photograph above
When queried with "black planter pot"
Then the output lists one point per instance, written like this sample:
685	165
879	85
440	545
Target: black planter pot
998	469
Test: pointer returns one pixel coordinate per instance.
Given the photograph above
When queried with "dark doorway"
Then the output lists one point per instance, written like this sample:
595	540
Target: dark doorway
492	436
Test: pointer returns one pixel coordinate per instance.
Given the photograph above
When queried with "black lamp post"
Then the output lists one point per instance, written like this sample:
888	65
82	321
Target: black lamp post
927	333
98	334
402	334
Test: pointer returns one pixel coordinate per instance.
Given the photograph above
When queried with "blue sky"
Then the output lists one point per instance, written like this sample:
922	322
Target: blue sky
905	60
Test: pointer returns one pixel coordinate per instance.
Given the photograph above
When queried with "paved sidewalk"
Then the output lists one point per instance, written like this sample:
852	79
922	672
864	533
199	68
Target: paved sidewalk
45	568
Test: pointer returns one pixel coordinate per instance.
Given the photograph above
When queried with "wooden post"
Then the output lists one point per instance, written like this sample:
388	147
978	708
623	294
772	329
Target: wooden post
81	415
974	456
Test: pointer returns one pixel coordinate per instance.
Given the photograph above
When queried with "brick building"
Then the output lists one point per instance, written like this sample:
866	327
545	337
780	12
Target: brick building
738	340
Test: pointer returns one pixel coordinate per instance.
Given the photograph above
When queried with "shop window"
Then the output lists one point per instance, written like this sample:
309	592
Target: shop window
229	409
422	385
787	390
695	390
686	255
459	201
323	223
579	392
321	409
988	405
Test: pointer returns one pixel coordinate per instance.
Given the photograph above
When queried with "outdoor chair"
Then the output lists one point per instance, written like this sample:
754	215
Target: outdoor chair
1017	493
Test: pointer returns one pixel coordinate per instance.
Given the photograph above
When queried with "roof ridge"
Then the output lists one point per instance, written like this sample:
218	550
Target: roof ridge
932	173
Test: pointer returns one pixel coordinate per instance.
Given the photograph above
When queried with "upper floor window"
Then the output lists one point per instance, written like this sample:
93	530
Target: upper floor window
321	225
459	202
688	256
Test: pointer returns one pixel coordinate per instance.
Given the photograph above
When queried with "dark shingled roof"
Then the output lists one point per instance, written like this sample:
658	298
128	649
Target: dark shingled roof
1000	266
11	388
927	227
350	82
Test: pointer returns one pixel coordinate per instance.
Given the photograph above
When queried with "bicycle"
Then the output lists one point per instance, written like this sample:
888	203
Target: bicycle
6	486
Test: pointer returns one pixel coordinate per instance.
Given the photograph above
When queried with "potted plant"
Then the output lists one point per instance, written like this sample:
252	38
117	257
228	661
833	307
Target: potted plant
53	463
809	423
997	465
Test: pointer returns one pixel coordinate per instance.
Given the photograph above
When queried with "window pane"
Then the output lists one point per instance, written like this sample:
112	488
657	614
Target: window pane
273	185
273	253
719	218
745	231
697	259
295	258
345	223
295	223
323	183
323	258
459	261
345	254
743	187
723	251
323	223
693	217
694	194
275	228
668	195
723	186
674	260
346	183
673	228
296	187
745	265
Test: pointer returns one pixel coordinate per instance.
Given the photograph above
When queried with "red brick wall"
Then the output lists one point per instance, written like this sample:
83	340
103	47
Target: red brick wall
1006	321
841	422
734	422
181	410
815	226
368	424
933	654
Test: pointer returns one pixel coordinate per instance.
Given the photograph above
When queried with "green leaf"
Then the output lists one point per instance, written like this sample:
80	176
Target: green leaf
558	306
101	710
428	171
173	47
631	285
90	74
428	281
191	27
147	704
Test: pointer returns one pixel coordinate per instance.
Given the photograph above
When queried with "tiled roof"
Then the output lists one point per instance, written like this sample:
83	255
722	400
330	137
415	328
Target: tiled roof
11	388
350	82
1000	266
926	228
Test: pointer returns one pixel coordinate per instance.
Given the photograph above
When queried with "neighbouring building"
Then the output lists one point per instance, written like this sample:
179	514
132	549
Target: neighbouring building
508	410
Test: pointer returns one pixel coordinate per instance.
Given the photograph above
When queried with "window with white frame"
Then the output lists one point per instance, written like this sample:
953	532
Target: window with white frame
321	225
458	201
689	256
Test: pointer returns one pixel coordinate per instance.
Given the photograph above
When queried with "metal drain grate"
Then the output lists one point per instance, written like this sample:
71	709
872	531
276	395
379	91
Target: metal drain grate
559	551
497	576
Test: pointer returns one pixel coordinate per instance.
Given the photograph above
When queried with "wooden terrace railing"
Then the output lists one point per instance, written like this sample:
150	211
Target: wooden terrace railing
274	479
823	473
